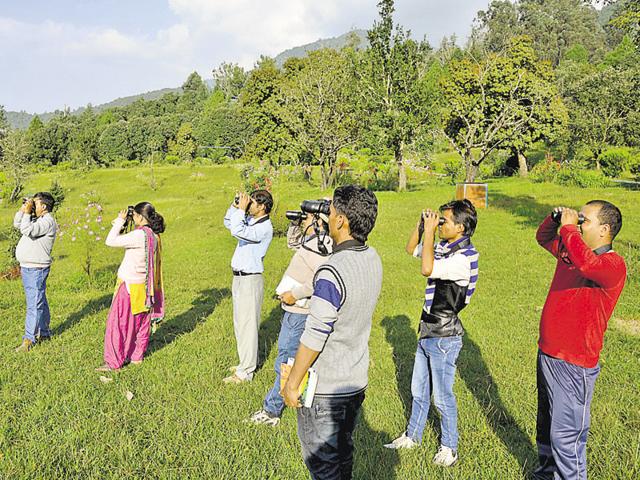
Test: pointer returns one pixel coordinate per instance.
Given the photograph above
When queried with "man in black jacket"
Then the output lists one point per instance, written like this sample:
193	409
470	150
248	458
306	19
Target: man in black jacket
452	271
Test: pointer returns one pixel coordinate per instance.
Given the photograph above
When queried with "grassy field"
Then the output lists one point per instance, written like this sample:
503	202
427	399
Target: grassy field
57	420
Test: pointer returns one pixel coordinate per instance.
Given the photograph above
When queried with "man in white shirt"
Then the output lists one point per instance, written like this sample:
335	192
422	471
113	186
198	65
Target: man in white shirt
248	221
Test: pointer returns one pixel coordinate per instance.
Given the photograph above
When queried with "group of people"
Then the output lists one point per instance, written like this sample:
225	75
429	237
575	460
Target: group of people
329	292
138	300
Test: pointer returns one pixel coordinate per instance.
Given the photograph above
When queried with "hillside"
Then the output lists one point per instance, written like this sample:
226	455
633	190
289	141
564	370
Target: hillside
358	38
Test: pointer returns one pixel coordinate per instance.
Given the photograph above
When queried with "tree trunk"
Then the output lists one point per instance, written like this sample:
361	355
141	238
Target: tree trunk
522	164
306	172
324	174
470	167
402	172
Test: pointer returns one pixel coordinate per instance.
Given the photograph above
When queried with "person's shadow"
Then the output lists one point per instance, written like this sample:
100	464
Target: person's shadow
475	373
201	307
370	459
268	335
90	308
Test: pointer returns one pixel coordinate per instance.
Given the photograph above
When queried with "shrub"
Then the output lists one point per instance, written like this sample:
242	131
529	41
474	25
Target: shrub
575	174
57	192
634	165
172	159
545	171
454	170
614	160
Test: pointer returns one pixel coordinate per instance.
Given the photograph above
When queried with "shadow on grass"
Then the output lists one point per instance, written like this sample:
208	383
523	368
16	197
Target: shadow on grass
92	307
525	206
201	307
403	339
475	373
268	335
371	459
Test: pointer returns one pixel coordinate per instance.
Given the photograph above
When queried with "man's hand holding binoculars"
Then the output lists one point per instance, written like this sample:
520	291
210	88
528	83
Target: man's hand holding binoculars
566	216
431	221
242	201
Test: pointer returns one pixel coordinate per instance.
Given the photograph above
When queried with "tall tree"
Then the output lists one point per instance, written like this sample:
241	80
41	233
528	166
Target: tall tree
230	78
501	101
261	101
319	108
390	85
627	18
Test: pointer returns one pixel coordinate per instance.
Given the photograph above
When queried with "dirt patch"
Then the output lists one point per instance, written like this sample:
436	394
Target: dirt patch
629	326
11	274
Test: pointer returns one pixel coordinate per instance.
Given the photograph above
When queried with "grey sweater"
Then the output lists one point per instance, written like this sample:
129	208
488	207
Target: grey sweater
35	246
346	290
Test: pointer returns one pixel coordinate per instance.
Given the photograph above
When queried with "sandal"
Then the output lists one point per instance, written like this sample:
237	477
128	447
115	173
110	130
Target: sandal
106	368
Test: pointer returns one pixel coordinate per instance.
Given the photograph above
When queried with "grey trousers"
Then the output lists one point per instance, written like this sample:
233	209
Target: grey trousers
247	293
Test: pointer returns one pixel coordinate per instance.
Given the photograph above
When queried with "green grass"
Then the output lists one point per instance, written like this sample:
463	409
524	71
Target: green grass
57	420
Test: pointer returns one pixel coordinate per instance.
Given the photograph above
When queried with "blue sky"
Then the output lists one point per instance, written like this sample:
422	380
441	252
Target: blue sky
59	53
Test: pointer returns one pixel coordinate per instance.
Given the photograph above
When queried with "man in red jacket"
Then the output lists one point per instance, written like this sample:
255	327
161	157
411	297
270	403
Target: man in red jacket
587	283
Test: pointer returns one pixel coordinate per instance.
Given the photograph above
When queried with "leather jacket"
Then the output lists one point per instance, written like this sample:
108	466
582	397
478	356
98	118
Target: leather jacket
443	320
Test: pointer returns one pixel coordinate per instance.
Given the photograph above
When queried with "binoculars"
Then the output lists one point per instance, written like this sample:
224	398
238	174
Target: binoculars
557	216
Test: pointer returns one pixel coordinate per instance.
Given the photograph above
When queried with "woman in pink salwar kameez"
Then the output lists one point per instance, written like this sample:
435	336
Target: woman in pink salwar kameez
138	301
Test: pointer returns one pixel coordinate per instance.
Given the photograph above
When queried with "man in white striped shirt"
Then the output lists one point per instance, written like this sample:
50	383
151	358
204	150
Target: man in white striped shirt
451	268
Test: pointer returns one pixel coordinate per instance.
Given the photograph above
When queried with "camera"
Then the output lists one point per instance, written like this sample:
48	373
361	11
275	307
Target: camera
557	217
313	207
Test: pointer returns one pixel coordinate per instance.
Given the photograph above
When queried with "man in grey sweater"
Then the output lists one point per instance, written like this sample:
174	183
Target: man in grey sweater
38	228
336	337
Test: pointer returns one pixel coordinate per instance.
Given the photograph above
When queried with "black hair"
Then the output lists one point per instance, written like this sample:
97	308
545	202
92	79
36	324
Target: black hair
263	197
46	199
148	211
360	206
610	215
464	213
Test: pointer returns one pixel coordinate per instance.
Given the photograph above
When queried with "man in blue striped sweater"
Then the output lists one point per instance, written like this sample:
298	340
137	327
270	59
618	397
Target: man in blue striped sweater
336	337
451	268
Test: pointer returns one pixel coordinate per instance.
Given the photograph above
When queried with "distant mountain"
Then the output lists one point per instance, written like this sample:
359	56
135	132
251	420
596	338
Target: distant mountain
357	38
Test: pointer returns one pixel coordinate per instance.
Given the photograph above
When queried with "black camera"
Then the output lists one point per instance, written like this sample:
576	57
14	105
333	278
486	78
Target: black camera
313	207
556	216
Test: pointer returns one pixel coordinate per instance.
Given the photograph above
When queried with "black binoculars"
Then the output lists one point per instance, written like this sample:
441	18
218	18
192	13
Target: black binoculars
556	216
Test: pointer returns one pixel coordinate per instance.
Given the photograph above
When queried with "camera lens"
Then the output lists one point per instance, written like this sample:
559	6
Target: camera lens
315	206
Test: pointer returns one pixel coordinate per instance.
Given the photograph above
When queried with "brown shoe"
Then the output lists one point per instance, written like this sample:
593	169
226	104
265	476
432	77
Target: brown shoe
25	346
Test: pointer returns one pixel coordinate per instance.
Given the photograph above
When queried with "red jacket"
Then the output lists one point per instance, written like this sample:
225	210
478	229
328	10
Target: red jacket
583	294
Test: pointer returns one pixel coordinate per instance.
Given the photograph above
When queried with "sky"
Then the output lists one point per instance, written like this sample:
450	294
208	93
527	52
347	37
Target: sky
67	53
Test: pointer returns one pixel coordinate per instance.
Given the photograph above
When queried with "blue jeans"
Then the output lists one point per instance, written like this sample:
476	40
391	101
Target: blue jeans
565	391
326	435
434	369
38	317
288	341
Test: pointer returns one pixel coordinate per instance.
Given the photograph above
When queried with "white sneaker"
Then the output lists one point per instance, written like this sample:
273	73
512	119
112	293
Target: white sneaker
401	442
261	417
445	457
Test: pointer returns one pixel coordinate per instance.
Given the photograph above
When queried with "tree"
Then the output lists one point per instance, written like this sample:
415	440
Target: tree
184	146
261	101
602	104
230	79
627	18
13	161
194	93
557	25
4	123
502	101
390	77
554	25
319	108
